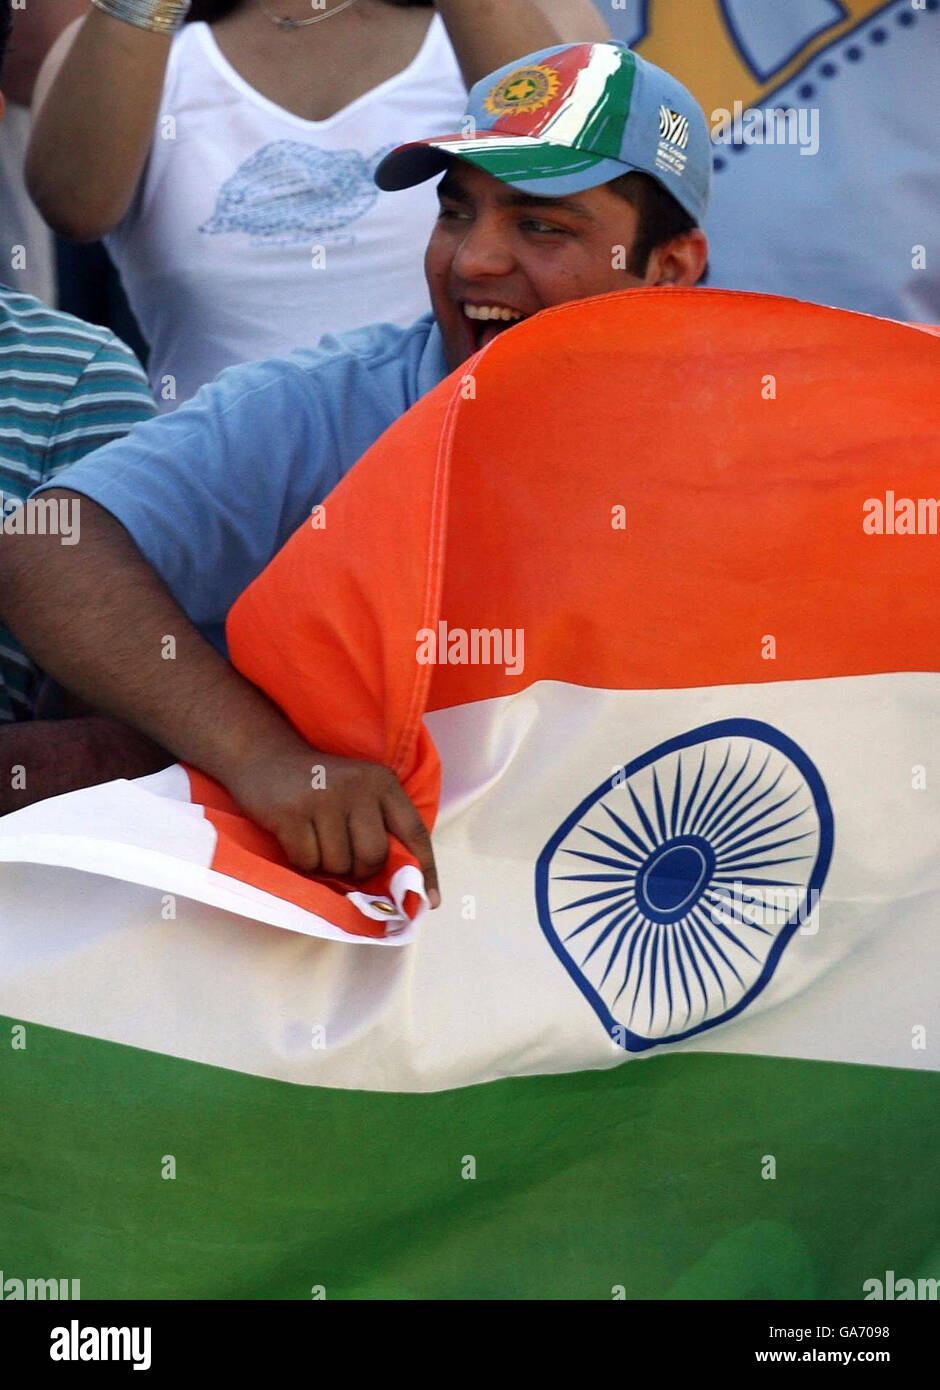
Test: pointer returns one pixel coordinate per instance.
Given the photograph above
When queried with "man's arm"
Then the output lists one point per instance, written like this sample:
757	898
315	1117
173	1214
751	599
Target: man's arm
42	758
66	746
124	645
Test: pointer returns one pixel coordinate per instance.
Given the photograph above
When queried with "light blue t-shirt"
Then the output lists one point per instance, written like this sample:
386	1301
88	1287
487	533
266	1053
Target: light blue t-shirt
212	491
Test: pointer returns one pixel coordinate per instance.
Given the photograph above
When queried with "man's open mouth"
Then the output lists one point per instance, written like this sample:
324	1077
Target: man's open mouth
485	321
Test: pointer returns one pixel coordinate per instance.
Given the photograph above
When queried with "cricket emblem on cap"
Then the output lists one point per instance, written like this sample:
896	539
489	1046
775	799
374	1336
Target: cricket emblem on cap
525	90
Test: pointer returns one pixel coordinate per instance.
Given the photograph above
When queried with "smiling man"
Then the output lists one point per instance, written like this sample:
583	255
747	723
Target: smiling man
499	255
580	170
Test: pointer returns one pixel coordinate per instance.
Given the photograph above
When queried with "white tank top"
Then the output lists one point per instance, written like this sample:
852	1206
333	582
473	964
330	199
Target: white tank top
254	231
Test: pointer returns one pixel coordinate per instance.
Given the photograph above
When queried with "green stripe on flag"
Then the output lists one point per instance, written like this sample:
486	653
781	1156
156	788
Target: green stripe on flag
646	1176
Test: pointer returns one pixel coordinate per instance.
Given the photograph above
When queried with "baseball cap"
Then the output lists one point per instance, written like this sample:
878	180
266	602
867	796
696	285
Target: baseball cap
570	118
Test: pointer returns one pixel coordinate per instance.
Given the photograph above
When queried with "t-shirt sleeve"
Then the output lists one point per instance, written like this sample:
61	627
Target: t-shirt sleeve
209	492
109	397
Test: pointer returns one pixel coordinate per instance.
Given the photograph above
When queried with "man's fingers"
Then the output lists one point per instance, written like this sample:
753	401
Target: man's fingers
369	840
299	842
341	830
406	825
336	854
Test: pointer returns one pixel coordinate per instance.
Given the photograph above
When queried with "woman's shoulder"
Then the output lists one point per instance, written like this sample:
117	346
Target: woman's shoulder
192	43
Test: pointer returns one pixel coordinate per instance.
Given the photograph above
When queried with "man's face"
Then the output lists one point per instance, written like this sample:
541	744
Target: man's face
497	255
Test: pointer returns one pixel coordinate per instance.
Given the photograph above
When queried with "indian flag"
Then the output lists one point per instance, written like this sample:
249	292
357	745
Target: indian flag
607	604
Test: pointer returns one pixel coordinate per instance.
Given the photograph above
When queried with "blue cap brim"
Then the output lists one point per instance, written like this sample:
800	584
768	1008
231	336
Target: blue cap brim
539	168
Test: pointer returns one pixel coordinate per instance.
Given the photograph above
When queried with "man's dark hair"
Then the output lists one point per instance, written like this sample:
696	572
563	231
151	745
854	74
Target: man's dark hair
6	24
661	218
211	10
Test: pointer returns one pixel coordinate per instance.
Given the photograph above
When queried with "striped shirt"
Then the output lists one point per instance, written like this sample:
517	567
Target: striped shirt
66	387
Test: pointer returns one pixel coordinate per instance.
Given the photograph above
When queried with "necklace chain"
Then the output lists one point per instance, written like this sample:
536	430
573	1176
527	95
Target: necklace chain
286	23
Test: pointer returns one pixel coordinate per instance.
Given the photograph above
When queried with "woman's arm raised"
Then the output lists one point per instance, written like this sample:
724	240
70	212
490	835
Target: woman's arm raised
486	34
96	104
577	21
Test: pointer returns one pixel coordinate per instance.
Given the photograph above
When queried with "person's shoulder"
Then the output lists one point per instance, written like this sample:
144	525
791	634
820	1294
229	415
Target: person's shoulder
397	365
51	336
26	316
372	347
382	358
70	387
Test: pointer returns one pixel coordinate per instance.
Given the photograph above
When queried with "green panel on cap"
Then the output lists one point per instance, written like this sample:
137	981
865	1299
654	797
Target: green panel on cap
603	130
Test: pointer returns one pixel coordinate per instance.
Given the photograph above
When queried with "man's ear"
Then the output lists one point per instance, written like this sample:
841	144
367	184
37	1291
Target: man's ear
3	106
681	261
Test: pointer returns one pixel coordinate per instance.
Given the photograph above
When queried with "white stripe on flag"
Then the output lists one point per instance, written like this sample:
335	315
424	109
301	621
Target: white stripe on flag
481	993
149	833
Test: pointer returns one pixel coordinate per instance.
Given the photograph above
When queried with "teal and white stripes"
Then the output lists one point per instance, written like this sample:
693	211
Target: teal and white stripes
66	388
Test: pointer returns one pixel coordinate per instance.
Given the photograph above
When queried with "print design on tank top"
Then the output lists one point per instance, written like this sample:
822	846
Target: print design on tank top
287	192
